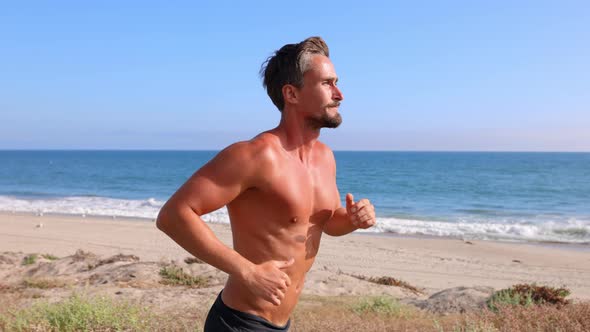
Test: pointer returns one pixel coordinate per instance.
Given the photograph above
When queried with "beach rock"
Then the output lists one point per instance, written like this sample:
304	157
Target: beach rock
193	260
455	300
140	275
72	265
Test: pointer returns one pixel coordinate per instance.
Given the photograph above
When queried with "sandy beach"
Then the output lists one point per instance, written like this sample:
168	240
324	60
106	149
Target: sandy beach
430	264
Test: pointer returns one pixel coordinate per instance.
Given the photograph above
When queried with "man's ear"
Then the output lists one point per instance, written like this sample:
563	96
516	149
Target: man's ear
290	94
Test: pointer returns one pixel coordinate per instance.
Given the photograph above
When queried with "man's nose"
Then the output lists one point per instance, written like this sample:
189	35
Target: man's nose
337	94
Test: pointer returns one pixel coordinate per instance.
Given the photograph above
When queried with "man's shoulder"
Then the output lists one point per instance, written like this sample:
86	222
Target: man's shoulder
323	148
259	149
325	151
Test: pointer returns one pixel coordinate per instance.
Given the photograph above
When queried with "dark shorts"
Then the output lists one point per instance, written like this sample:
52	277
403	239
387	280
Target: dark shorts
222	318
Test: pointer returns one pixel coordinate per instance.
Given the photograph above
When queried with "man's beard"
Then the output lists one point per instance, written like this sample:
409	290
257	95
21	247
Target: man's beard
325	120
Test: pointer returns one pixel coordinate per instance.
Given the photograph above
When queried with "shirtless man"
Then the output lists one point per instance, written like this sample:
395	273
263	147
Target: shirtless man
281	195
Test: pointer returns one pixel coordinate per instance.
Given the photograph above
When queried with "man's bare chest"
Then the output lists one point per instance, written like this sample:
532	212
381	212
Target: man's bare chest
303	191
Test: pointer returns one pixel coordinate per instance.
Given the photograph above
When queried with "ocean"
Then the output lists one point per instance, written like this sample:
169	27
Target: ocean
525	197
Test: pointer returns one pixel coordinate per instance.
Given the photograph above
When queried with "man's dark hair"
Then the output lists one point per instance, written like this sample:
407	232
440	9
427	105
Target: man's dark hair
288	65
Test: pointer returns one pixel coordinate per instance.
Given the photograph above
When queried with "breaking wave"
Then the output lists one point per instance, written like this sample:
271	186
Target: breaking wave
568	231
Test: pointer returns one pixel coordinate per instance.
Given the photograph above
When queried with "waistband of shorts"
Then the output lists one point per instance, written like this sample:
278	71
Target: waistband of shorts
219	305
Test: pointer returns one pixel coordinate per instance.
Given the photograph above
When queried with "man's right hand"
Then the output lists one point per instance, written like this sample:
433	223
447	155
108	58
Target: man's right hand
268	280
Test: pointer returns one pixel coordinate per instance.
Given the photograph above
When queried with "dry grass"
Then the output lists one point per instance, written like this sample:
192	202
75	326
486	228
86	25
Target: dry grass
44	283
5	288
95	314
388	281
338	314
313	313
573	317
341	313
353	314
181	319
77	313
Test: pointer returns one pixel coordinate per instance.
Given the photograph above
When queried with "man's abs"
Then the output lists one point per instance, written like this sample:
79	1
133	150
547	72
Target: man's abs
236	296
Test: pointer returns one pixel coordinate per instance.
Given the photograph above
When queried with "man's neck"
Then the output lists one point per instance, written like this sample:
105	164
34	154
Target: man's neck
296	135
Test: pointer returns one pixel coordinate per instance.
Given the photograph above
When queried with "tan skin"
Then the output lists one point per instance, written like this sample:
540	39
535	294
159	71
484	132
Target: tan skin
281	195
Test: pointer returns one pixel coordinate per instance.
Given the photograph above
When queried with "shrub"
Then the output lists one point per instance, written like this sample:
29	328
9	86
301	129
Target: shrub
175	275
30	259
526	295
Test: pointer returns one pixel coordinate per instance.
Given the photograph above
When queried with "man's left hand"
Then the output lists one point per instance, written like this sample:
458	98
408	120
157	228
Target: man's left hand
361	213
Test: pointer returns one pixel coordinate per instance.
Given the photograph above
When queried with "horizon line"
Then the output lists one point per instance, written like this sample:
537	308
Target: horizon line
335	150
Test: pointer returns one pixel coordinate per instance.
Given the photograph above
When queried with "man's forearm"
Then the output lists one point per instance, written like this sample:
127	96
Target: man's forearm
339	224
187	229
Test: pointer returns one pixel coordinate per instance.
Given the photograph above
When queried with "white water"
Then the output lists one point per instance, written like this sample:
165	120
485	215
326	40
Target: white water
572	231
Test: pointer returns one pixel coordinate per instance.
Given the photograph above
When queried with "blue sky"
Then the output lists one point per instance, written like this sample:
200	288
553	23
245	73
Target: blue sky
416	75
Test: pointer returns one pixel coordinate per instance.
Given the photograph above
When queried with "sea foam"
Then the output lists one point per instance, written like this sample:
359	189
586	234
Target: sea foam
96	206
570	231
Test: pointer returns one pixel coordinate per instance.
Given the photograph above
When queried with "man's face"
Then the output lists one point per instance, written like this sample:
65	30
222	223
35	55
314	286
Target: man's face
320	97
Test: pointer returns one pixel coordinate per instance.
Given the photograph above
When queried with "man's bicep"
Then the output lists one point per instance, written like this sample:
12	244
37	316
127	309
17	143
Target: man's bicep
217	183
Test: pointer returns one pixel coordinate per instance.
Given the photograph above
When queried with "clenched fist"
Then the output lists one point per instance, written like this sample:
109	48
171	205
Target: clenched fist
361	213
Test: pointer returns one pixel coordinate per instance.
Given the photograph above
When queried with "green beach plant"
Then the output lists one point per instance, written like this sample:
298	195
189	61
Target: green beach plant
30	259
381	305
78	313
50	257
